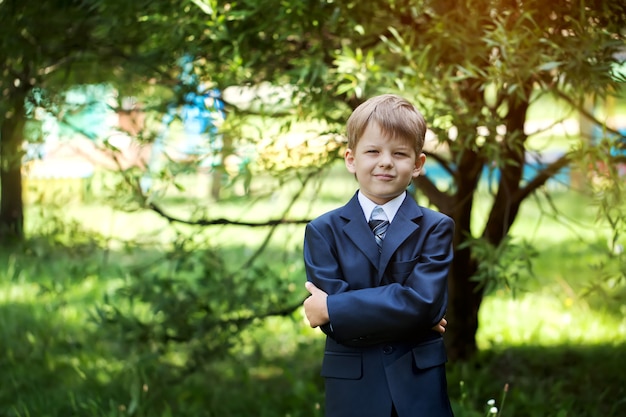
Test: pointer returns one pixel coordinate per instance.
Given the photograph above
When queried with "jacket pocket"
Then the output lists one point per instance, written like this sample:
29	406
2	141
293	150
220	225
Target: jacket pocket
400	270
430	354
342	365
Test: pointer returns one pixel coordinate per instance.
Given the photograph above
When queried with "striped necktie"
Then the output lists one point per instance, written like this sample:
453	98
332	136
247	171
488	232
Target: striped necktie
379	223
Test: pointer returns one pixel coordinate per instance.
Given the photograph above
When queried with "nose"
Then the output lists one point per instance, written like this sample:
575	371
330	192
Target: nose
385	159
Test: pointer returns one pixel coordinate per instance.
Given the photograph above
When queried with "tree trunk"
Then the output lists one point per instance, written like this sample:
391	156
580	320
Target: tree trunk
508	200
463	304
464	296
11	203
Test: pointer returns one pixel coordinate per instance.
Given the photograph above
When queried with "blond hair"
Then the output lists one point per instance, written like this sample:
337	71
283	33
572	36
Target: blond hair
396	117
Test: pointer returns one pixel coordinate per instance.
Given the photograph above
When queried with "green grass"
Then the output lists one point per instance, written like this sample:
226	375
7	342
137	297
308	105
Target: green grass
563	380
561	351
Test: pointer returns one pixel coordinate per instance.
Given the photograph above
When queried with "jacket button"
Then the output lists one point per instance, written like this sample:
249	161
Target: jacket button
387	349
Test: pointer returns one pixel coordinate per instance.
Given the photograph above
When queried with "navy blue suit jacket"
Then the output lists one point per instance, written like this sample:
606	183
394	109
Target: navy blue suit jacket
380	348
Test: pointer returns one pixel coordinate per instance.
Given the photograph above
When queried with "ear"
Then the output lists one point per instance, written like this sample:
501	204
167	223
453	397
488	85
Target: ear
419	165
348	158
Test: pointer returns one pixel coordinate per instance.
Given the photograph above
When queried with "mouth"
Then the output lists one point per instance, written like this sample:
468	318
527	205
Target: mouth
384	177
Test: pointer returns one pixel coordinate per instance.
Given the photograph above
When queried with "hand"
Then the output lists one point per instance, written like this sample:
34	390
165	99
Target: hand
315	306
441	326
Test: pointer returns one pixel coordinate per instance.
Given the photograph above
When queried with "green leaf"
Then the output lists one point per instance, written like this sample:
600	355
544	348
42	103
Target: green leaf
549	66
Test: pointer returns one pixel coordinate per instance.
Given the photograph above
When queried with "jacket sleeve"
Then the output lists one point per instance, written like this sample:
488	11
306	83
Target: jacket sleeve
405	309
322	265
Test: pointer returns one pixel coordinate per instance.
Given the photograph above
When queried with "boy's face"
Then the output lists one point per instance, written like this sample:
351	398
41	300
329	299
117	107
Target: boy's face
383	167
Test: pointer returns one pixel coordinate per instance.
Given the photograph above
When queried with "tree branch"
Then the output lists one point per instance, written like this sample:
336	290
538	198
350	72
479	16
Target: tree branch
221	221
542	177
586	113
439	199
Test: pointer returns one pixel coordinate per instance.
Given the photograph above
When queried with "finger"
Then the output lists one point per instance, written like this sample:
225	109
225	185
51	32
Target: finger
310	287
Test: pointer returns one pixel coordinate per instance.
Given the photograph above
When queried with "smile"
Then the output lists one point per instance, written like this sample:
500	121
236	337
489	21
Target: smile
384	177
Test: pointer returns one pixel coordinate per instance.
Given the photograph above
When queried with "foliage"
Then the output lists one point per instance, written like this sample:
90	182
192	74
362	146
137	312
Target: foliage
119	327
541	381
85	331
132	340
474	68
188	306
503	266
54	45
607	191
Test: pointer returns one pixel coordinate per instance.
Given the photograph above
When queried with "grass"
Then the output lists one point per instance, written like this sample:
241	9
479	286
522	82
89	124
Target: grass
563	380
561	352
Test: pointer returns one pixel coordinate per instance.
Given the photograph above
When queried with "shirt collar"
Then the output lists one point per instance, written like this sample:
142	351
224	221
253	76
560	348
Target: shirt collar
390	208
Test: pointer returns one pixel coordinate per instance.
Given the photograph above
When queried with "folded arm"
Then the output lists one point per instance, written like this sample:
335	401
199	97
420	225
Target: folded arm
416	303
316	309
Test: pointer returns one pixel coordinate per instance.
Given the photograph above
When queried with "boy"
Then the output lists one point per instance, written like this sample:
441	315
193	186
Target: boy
380	295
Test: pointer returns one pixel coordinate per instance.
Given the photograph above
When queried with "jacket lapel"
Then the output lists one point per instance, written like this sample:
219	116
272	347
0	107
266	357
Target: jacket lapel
358	231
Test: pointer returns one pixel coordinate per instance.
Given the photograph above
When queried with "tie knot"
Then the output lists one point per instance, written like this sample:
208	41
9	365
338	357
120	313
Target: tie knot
378	214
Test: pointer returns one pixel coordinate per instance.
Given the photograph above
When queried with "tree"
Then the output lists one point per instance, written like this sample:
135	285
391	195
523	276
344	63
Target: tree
474	67
53	45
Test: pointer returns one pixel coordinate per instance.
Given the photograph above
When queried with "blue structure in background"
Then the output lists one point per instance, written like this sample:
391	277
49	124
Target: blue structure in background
618	141
201	113
617	144
491	176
